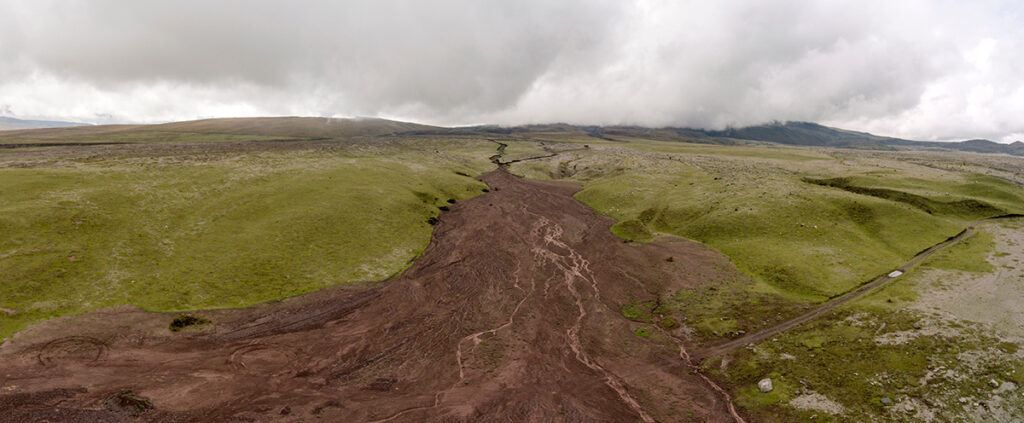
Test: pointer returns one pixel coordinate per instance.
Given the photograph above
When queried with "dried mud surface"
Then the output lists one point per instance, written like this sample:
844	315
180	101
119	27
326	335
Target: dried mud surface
511	314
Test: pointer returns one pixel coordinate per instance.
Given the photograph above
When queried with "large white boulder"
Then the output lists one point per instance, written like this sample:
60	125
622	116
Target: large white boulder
765	385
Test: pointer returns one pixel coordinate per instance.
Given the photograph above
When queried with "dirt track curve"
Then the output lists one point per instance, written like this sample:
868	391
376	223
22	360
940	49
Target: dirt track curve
764	334
510	314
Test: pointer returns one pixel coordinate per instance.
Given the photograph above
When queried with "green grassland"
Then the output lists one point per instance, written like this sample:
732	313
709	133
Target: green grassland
187	231
876	347
857	358
756	205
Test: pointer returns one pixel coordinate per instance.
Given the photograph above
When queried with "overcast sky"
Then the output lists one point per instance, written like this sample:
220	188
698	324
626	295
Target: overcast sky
915	69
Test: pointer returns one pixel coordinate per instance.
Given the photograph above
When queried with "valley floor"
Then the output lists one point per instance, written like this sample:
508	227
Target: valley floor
583	280
511	313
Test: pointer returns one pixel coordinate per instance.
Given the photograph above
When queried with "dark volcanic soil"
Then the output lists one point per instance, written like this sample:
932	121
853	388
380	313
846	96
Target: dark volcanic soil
511	314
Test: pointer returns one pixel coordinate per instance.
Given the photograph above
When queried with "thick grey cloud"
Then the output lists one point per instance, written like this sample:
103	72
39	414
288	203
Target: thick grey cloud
910	68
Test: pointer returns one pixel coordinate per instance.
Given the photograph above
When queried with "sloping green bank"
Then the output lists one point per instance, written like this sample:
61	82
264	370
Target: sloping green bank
809	240
185	232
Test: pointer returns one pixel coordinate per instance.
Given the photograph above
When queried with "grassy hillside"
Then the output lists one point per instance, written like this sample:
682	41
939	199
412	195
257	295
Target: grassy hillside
768	209
222	229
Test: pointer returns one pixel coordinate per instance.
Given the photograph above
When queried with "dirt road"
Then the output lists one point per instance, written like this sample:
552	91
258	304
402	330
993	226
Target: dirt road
510	314
762	335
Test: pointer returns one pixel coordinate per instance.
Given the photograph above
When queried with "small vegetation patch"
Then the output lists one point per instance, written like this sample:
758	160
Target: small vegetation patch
669	323
641	311
185	320
632	230
728	309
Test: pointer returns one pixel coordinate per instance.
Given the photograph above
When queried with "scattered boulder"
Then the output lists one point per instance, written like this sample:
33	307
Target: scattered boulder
993	383
765	385
886	401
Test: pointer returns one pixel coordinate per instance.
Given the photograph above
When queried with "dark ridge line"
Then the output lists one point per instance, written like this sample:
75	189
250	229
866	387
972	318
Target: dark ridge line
62	144
919	202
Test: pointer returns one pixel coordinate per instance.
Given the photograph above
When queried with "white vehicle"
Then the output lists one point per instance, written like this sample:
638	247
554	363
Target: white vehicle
895	273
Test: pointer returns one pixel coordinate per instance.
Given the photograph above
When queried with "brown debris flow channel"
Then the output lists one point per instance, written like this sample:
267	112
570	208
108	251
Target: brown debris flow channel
510	315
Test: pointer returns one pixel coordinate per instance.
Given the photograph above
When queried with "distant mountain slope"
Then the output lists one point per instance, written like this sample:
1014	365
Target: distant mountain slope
812	134
9	123
298	128
804	133
214	130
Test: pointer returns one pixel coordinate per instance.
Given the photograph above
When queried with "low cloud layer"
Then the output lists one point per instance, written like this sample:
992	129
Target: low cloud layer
916	69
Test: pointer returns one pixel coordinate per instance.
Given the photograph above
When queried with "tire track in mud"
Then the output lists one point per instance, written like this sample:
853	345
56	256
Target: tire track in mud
85	347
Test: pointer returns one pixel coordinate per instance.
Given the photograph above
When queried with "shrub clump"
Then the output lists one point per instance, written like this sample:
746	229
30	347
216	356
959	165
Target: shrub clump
128	402
669	323
640	311
186	320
